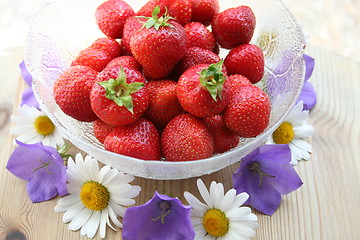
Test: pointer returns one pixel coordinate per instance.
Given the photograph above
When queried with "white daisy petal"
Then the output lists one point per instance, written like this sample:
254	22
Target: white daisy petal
103	171
91	226
301	144
224	208
26	130
205	193
73	211
217	195
244	231
104	217
85	182
80	219
67	201
300	149
228	200
303	131
193	201
113	217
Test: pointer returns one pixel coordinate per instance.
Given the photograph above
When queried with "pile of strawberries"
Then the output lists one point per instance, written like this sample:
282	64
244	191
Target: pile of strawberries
155	86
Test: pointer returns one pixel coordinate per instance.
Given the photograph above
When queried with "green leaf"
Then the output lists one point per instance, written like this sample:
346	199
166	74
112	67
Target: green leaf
212	78
119	91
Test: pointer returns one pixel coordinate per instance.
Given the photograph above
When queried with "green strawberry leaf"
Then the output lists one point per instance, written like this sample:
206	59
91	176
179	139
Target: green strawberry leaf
213	79
119	91
155	21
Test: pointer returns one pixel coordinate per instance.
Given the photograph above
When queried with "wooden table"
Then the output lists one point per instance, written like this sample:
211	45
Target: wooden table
327	206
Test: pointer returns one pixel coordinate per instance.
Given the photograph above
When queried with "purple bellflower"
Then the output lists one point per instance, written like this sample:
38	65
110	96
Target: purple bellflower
308	94
43	168
162	217
28	96
266	174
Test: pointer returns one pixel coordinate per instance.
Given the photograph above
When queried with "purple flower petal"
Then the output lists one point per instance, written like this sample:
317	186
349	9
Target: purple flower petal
309	66
308	96
28	96
160	218
25	74
265	174
43	168
266	198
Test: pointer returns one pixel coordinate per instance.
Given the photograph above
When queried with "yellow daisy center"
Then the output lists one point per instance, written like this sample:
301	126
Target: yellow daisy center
284	134
215	223
43	125
94	196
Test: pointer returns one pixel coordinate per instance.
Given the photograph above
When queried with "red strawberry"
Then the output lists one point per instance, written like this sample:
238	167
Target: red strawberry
139	140
125	61
234	26
119	95
224	139
247	60
180	10
197	35
195	56
248	112
164	104
111	16
101	130
236	81
159	46
96	59
186	138
202	90
108	45
204	10
72	90
132	25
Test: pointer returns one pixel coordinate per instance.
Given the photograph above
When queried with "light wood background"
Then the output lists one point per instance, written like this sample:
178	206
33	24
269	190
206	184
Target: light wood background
326	207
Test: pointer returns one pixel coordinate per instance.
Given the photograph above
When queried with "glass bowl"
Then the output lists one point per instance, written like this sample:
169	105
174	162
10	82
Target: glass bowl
63	28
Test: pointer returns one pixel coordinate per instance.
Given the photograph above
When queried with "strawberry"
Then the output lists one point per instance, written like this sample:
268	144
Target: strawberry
109	45
180	10
248	111
159	45
224	139
247	60
197	35
139	140
72	90
164	104
125	61
234	26
132	25
119	95
186	138
96	59
111	16
101	130
195	56
202	91
235	81
204	10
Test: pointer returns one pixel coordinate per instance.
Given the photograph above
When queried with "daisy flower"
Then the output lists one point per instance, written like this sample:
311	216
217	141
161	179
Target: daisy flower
33	126
221	217
95	196
292	131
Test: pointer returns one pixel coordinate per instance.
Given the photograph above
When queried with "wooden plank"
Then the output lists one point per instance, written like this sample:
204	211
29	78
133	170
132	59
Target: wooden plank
325	207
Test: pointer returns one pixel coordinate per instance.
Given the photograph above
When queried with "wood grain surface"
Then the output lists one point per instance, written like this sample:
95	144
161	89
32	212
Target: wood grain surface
327	206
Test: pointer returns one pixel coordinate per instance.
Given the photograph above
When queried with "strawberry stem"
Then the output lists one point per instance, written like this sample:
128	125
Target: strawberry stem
120	92
155	21
212	78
